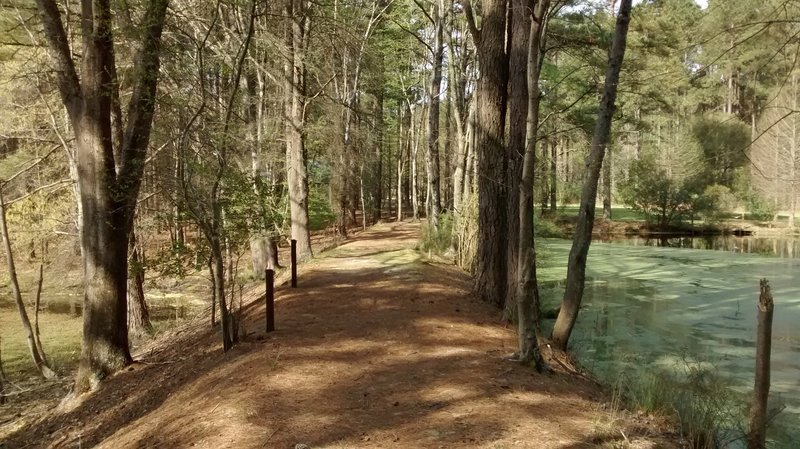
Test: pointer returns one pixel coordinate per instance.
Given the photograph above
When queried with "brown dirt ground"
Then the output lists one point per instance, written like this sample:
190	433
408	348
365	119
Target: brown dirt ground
378	347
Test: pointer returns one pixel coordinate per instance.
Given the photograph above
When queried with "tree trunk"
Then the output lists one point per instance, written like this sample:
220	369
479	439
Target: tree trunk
490	279
138	312
218	272
109	178
517	116
757	437
2	376
257	226
377	206
36	309
607	186
456	86
793	156
39	360
554	176
213	292
434	91
400	158
576	266
414	151
297	173
527	289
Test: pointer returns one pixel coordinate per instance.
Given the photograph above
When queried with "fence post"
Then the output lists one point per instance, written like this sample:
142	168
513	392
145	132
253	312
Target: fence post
757	436
270	295
294	263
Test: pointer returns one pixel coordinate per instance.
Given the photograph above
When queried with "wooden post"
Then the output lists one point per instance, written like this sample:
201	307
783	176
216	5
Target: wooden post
2	376
294	263
270	279
758	410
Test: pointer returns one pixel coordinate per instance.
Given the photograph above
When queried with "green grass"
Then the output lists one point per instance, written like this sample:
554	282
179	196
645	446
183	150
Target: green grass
60	335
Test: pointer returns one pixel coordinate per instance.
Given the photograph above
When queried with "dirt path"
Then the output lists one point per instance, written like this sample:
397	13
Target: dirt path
377	348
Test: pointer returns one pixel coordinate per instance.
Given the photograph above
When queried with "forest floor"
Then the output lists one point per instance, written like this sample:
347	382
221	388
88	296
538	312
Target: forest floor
378	347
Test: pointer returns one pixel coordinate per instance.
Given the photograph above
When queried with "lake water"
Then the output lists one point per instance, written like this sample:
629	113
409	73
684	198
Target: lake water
656	308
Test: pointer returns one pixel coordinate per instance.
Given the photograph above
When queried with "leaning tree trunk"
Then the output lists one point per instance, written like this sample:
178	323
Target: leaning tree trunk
490	275
527	289
576	266
37	354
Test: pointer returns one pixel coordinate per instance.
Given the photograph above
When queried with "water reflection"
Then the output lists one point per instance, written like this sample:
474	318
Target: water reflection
787	248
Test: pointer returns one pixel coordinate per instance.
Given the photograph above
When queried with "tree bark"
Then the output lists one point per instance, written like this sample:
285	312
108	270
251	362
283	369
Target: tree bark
554	175
517	116
576	266
258	225
138	312
297	172
379	144
109	178
218	272
757	437
434	91
36	308
607	186
492	161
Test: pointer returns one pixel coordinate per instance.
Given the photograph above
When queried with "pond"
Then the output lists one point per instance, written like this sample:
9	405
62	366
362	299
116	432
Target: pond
783	247
650	308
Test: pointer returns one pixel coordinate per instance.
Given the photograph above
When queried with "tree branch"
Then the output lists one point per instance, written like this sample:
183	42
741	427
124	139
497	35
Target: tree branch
142	104
68	83
39	189
473	28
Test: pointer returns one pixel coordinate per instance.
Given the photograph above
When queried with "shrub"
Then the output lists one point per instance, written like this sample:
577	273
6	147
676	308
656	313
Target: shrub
437	242
648	189
710	415
714	202
546	227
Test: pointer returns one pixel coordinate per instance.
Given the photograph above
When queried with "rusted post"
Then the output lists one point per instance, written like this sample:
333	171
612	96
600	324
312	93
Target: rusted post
294	263
758	410
270	277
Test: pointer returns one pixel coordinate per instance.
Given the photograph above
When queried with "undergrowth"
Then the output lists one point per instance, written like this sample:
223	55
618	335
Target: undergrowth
437	241
708	413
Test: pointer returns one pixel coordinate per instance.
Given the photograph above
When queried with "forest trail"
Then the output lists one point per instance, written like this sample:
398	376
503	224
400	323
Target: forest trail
378	347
